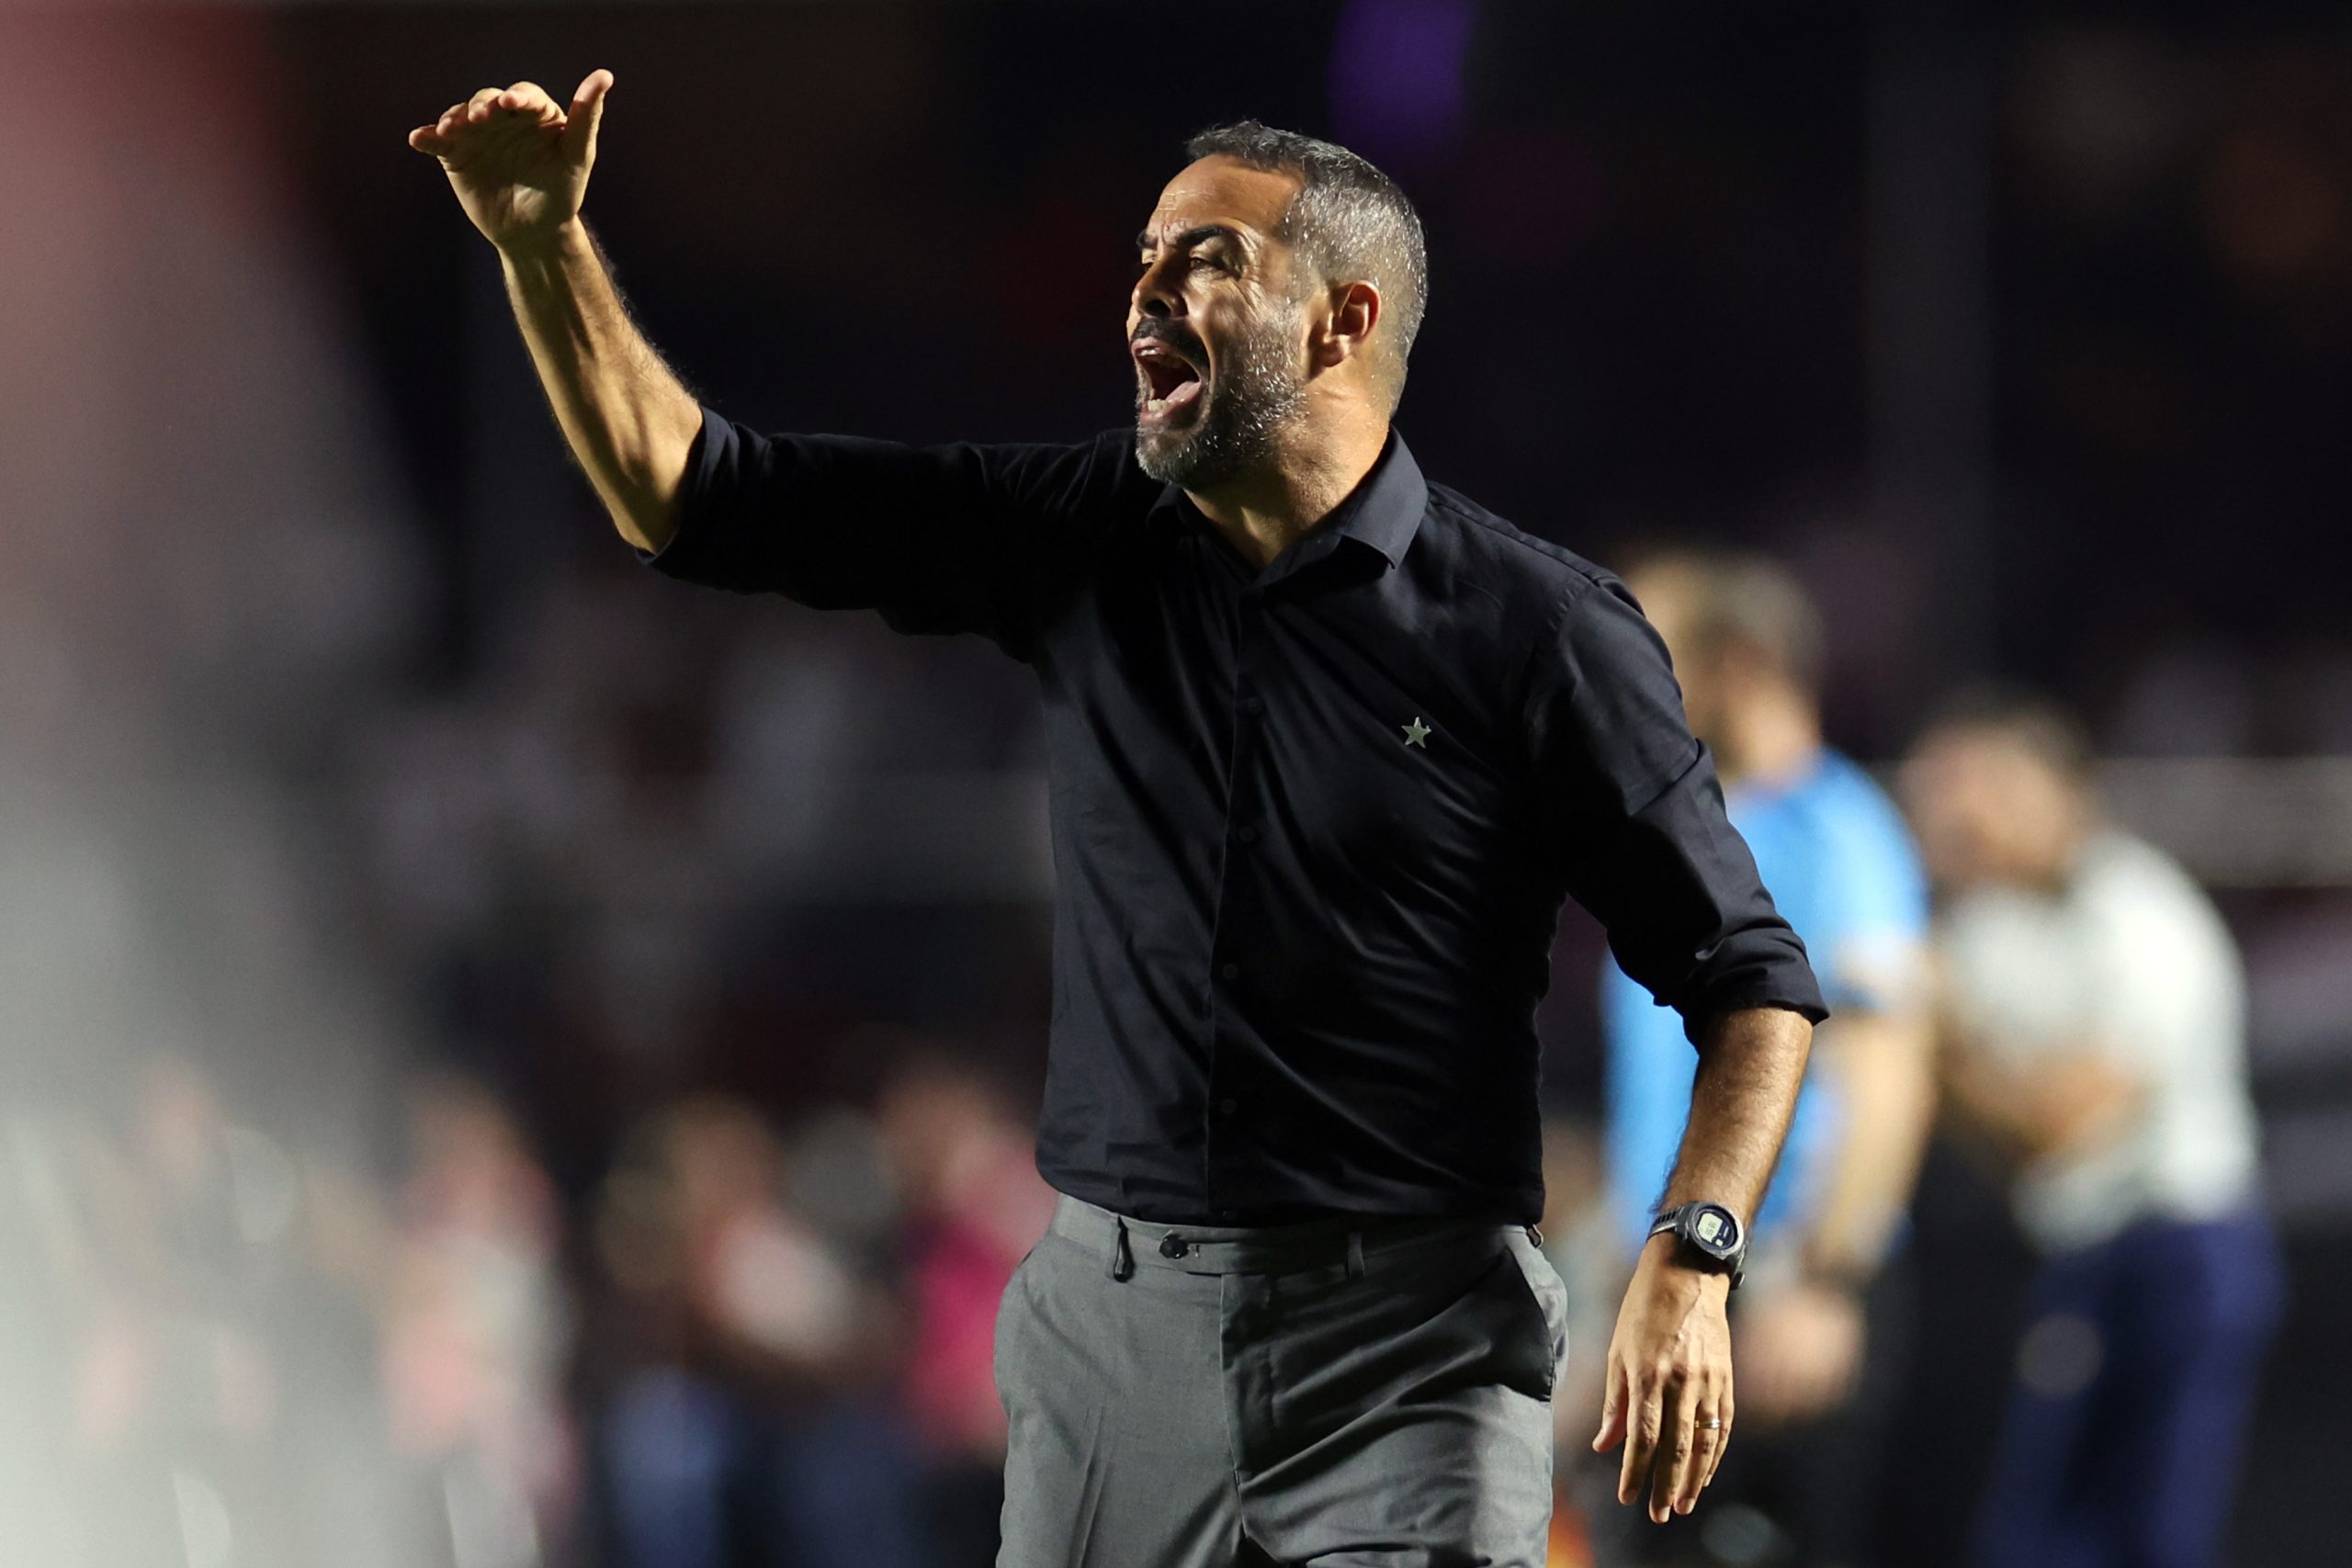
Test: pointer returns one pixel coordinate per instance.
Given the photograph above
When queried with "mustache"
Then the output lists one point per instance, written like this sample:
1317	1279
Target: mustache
1182	339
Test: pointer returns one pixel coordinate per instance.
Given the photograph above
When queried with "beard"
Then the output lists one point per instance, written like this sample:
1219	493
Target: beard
1257	391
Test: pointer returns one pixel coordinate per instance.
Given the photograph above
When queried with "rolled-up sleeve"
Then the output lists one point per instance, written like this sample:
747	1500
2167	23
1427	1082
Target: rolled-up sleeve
1635	822
937	539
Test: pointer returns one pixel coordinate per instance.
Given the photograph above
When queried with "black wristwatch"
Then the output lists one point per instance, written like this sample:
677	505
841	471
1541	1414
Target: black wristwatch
1709	1232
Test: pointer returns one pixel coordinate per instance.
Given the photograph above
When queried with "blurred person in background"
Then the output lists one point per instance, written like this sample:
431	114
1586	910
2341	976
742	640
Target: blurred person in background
477	1327
746	1418
212	1334
181	1387
966	1171
2094	1040
1823	1320
1328	748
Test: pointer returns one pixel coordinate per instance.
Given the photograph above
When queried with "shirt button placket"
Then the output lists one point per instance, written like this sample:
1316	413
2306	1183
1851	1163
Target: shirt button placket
1250	709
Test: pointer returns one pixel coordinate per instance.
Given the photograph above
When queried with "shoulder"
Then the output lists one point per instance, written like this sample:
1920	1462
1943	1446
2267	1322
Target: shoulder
1469	538
1548	604
1076	477
1852	817
2139	894
2120	872
2167	964
1861	889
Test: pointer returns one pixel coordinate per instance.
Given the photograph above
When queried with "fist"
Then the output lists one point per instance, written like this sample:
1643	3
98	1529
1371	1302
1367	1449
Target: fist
517	160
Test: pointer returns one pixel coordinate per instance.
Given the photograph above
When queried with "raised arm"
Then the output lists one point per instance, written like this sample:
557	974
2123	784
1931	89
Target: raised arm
519	164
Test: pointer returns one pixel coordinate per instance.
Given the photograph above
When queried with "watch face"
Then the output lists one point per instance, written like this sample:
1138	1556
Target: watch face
1715	1230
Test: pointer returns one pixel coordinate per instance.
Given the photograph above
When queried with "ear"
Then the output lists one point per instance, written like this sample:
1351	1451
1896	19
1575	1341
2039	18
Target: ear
1355	311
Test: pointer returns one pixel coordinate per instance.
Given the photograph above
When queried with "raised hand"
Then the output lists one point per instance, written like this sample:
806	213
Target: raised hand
519	160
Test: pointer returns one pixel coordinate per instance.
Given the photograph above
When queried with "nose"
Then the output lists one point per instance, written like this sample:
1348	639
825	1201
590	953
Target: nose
1155	293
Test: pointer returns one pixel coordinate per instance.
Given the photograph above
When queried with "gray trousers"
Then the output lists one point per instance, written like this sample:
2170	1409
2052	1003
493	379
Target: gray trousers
1345	1395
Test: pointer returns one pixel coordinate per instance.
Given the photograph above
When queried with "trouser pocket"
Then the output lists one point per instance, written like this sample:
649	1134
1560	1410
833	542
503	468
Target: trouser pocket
1546	1300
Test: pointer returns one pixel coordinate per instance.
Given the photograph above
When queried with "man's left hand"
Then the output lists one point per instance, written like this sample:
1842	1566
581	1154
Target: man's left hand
1668	1378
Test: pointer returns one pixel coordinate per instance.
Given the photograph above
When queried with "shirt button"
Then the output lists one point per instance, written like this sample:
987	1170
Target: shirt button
1247	835
1227	1106
1230	971
1254	704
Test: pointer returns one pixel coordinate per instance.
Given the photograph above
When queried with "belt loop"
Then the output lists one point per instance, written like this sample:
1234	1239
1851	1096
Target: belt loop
1355	1255
1122	1257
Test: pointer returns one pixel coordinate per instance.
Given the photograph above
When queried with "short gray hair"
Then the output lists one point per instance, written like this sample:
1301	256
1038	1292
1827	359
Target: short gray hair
1349	220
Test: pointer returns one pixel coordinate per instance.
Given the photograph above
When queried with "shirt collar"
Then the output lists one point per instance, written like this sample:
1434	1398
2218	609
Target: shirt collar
1383	511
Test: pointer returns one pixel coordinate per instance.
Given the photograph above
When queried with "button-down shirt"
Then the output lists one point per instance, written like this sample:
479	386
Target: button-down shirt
1313	823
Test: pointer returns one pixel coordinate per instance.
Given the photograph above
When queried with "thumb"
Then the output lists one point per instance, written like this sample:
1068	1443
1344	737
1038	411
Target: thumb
587	111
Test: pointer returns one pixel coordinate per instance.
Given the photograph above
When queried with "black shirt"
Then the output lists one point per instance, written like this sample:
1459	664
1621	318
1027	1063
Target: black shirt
1312	825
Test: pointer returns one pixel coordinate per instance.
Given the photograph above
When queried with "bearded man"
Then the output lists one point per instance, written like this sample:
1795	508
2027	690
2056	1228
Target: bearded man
1329	746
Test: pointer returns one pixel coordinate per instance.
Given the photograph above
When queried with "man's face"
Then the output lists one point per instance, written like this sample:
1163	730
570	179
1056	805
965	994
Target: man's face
1986	809
1216	325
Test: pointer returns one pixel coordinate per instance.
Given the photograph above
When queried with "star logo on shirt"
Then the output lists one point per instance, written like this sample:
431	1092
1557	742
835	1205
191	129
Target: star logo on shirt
1417	733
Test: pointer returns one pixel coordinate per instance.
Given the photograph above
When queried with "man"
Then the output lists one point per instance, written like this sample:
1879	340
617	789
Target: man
1820	1330
1328	746
2095	1042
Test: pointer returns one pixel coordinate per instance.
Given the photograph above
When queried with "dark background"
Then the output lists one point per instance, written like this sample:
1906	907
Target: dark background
2021	332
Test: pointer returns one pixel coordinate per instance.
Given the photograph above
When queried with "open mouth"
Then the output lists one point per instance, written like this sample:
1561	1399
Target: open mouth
1170	382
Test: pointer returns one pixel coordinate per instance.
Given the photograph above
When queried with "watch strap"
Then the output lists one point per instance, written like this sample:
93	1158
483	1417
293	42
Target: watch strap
1669	1223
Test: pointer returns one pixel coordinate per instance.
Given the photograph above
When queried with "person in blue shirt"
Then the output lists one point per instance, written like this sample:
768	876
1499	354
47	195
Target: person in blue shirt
1819	1337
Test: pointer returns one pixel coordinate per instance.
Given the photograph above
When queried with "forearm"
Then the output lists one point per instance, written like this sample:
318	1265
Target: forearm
1751	1069
1668	1379
1885	1081
2065	1103
628	419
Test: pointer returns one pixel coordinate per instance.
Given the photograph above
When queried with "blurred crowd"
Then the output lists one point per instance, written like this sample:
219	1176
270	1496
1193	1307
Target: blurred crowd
755	1343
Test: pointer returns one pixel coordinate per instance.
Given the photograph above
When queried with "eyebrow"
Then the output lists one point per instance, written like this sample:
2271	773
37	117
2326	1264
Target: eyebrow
1194	236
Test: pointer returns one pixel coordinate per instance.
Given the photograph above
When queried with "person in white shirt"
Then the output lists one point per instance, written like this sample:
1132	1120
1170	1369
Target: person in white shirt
2094	1037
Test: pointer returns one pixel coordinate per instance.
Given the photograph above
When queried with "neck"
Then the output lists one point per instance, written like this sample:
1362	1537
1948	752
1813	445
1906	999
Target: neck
1770	738
2053	868
1313	468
